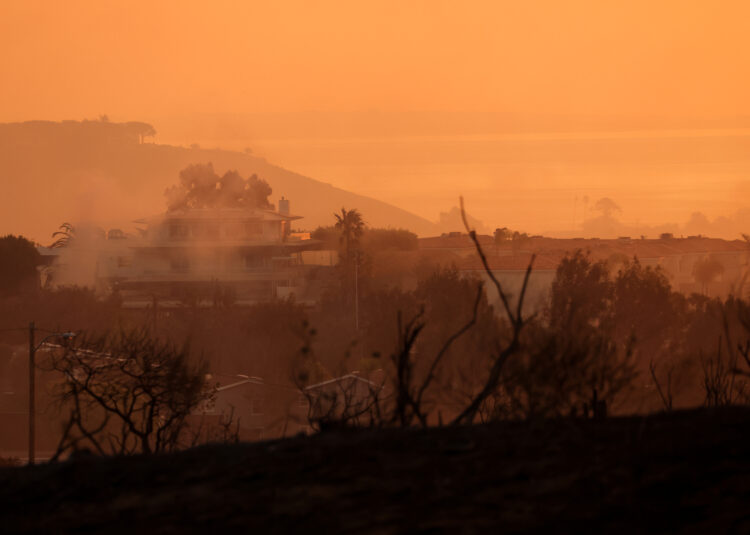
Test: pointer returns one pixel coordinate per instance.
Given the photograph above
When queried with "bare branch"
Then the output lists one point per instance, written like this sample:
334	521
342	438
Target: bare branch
448	343
517	323
666	397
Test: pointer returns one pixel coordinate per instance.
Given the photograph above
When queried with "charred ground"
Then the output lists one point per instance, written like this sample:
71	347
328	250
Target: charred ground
685	472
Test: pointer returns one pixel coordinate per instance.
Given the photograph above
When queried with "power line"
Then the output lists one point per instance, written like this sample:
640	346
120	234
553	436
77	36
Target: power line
9	329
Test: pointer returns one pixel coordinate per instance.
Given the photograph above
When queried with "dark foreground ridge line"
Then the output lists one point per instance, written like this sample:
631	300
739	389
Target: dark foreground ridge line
687	472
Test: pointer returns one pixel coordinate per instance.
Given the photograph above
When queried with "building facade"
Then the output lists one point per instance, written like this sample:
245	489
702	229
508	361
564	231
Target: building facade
246	255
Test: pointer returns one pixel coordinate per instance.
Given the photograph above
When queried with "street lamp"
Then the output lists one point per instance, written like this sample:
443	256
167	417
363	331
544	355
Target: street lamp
32	380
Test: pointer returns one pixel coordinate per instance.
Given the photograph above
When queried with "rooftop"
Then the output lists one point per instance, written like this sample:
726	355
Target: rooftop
549	251
218	213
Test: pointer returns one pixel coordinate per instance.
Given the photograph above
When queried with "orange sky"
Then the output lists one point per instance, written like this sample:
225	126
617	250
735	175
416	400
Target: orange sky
263	74
133	60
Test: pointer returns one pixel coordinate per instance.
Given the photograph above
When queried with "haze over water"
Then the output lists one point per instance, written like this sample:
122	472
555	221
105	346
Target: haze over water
531	110
541	182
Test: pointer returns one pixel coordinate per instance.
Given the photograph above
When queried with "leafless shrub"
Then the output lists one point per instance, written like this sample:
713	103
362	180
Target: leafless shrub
407	404
726	371
568	361
343	402
127	394
204	430
536	367
743	347
334	403
410	397
665	392
502	351
353	401
720	380
558	373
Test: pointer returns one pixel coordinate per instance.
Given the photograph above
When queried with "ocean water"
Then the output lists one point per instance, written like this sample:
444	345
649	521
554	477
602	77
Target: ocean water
534	182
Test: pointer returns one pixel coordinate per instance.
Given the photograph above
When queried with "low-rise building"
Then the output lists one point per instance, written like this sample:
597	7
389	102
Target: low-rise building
200	256
677	257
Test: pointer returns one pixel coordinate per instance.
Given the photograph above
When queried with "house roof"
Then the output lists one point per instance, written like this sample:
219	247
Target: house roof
218	213
227	382
510	263
454	242
280	246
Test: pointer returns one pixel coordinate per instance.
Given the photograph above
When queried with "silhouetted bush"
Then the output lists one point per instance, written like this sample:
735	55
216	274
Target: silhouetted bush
382	239
18	266
127	393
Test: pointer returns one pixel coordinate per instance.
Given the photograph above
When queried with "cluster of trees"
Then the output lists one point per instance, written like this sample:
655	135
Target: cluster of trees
373	256
128	393
437	354
350	233
201	187
517	238
92	133
18	266
619	341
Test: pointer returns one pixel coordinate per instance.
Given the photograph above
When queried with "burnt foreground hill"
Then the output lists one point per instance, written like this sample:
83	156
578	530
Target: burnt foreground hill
683	473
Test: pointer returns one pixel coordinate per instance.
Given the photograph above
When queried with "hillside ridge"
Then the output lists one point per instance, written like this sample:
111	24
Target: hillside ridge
109	172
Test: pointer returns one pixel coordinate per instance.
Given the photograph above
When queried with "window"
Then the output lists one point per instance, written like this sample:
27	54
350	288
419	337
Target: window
212	231
178	231
254	229
254	261
180	264
233	231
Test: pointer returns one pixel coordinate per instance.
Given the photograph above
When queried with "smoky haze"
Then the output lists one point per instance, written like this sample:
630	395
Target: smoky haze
507	240
527	110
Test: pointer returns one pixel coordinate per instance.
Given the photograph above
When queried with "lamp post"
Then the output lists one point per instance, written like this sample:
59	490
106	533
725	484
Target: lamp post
32	381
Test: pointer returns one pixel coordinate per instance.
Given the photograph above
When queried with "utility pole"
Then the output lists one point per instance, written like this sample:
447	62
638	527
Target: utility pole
33	346
156	312
356	291
32	389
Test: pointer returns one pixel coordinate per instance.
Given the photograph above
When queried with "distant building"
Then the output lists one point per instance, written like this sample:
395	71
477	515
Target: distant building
198	256
263	410
676	256
241	398
205	253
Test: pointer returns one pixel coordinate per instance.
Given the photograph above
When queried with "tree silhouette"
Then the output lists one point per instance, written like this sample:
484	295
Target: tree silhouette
140	130
127	393
607	206
351	225
18	261
65	236
706	270
201	187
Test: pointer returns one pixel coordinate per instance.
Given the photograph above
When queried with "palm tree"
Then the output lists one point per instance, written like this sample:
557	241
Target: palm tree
64	236
351	225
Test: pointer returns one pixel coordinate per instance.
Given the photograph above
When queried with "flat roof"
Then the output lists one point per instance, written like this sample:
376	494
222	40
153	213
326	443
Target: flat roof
220	214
